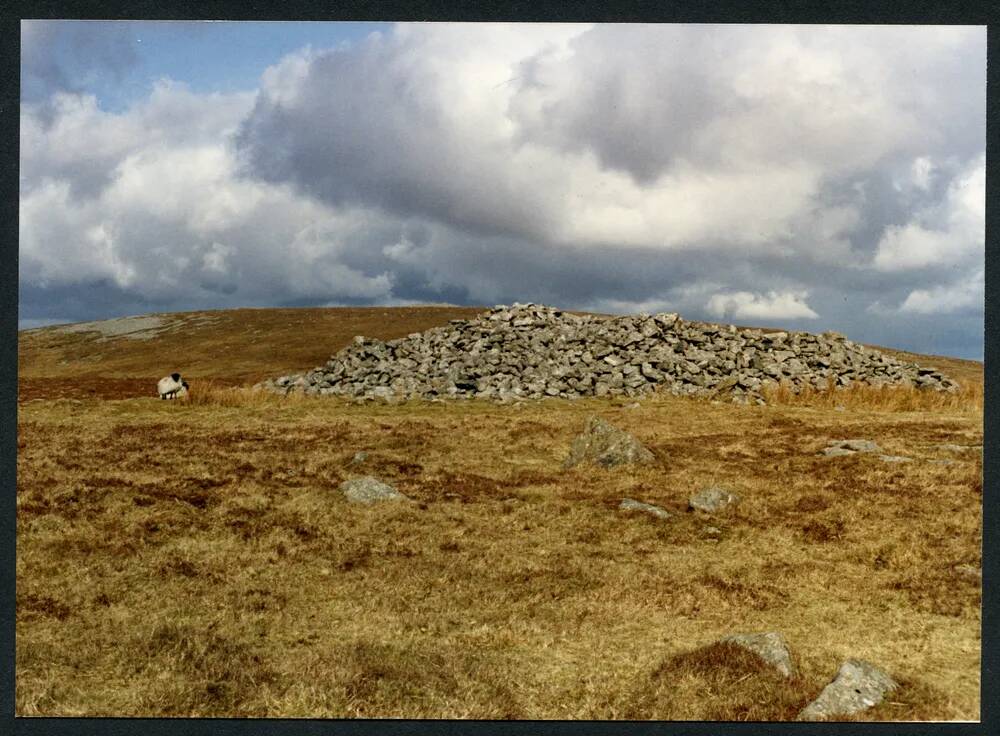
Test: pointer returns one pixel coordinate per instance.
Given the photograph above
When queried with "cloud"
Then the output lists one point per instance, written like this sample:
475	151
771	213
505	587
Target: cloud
772	306
711	170
946	233
63	56
964	295
172	219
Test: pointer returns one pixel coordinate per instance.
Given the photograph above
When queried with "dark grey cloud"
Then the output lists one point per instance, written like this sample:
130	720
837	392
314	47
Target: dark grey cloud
815	178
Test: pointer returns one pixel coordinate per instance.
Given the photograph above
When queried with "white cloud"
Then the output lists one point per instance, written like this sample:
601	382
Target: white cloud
771	306
962	295
921	172
174	218
945	234
667	137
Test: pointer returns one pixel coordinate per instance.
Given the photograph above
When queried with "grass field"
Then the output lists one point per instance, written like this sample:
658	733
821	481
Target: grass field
195	558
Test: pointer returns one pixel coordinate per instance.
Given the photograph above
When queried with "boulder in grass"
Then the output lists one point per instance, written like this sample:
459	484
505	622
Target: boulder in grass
369	490
859	685
712	499
629	504
769	646
849	447
607	446
836	452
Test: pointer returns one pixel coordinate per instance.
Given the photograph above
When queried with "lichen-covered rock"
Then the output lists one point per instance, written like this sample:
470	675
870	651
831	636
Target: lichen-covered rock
859	685
607	446
529	351
712	499
769	646
369	490
629	504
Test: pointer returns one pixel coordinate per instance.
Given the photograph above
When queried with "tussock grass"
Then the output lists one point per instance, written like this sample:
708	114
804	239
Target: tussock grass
968	398
717	682
213	393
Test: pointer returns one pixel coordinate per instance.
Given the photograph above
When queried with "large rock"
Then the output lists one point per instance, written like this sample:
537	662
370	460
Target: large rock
607	446
859	685
712	499
369	490
769	646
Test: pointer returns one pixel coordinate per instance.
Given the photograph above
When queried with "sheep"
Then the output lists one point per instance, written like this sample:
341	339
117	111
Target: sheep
172	387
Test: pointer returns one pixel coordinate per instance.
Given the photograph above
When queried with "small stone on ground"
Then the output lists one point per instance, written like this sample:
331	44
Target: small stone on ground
369	490
712	499
849	447
629	504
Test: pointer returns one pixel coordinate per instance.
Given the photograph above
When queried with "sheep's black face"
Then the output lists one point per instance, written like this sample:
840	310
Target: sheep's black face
175	376
184	384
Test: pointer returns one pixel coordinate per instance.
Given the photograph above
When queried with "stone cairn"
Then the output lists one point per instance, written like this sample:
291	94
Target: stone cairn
529	351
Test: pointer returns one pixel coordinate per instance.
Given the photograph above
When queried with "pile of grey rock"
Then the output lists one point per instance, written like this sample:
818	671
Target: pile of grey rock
529	351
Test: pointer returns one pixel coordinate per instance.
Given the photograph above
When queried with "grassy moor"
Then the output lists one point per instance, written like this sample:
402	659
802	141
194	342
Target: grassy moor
195	558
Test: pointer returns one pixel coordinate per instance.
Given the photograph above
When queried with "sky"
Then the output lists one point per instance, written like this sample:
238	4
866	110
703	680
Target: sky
807	177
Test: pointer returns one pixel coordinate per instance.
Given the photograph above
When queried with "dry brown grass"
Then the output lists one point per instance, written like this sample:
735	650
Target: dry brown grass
195	558
968	399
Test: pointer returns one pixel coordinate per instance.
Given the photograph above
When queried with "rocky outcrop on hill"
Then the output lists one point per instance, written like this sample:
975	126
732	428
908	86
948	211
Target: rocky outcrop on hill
532	351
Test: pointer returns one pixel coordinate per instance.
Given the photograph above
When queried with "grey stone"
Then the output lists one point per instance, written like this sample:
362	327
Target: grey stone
849	447
712	499
769	646
836	451
858	445
359	457
629	504
859	685
369	490
895	458
605	445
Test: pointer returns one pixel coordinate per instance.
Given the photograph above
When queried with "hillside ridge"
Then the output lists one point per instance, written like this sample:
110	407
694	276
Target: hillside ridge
247	345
